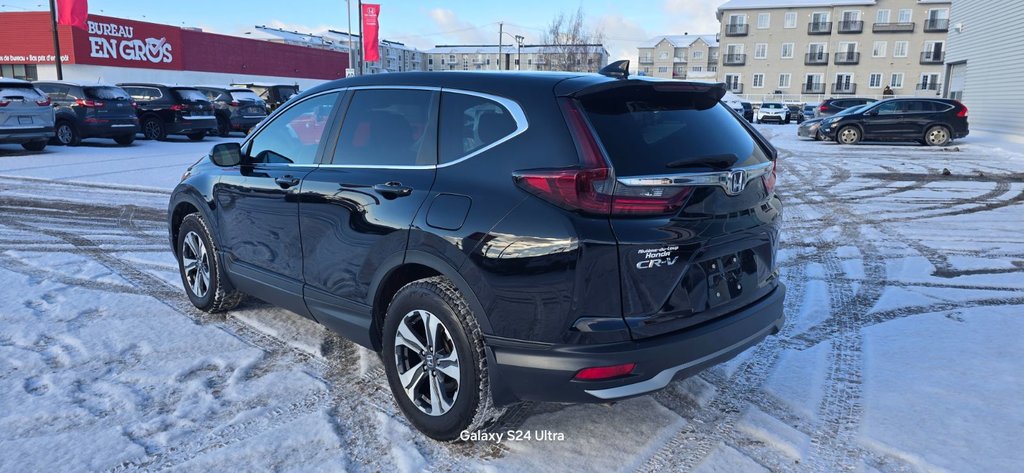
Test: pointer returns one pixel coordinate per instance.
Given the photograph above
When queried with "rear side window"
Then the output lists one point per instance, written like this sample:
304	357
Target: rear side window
389	128
190	95
144	94
470	123
650	132
294	136
106	93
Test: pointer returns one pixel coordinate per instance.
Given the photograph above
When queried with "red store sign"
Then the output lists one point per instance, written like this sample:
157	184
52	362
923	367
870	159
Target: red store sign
118	42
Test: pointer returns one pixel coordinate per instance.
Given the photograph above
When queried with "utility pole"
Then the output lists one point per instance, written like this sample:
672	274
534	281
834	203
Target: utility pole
56	41
501	25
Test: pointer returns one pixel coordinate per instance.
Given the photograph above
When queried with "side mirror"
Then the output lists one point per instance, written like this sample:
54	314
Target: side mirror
226	154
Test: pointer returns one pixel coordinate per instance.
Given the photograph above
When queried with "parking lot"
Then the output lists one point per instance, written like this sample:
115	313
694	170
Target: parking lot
901	350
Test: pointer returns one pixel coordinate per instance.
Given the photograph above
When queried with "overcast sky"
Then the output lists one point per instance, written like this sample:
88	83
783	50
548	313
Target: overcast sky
423	24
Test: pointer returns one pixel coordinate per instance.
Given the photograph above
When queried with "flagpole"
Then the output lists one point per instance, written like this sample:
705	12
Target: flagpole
56	40
348	9
362	47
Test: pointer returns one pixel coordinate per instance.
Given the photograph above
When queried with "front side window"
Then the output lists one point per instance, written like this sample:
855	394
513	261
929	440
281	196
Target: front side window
470	123
389	128
293	137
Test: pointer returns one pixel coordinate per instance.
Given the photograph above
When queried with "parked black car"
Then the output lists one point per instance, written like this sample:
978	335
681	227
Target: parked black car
273	94
932	122
796	113
809	111
171	110
748	112
832	106
539	236
91	111
236	109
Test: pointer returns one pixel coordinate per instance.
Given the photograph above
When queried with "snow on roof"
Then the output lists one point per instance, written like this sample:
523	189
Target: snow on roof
748	4
508	49
681	41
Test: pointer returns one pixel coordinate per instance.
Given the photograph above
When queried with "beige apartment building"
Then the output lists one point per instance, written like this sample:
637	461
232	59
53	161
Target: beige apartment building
687	56
529	57
807	50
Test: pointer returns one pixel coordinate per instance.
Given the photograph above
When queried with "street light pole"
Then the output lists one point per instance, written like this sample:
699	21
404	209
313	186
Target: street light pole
501	25
519	52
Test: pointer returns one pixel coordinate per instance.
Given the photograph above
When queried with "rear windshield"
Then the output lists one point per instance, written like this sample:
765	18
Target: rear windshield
244	95
106	93
17	92
287	92
650	132
190	95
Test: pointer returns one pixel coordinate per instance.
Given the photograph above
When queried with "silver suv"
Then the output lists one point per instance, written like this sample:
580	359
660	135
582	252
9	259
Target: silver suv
26	116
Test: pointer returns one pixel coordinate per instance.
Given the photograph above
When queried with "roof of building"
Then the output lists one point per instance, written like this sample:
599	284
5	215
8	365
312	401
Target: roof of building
681	41
751	4
507	49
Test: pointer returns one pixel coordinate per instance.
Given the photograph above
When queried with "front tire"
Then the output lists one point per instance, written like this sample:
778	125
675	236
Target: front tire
223	127
196	136
200	268
67	134
34	145
434	358
848	135
937	135
125	140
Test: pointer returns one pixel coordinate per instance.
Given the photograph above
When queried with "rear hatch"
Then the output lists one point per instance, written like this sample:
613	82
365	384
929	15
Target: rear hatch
248	104
193	103
691	199
110	103
22	106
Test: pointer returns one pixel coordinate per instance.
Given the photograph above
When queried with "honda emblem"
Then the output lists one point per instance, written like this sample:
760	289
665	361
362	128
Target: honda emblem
737	181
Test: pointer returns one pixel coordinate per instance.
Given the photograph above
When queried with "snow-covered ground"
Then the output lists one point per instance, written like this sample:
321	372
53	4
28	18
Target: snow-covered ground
902	349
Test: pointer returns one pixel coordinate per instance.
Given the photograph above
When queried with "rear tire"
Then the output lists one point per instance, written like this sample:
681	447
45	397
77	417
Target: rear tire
153	129
201	269
196	136
437	403
67	134
223	127
125	140
35	145
848	135
937	135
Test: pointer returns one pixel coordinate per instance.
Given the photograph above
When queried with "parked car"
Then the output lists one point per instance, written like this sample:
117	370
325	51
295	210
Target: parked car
832	106
809	111
809	129
236	109
932	122
273	94
171	110
734	102
772	112
748	112
796	113
548	236
26	116
91	111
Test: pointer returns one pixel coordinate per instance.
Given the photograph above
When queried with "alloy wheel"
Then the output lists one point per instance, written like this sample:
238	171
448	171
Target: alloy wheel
152	130
427	362
65	134
195	263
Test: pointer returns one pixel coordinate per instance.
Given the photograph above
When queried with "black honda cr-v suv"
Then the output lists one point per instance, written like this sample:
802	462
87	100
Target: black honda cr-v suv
498	237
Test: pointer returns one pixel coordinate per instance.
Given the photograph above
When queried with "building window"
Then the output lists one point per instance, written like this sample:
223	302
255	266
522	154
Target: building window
764	20
882	16
712	68
896	80
663	69
737	19
697	69
451	58
875	80
787	50
19	71
790	20
758	81
899	49
698	54
879	49
784	80
906	15
761	51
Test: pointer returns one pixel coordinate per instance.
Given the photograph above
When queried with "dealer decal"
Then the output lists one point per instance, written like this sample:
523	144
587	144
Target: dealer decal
657	257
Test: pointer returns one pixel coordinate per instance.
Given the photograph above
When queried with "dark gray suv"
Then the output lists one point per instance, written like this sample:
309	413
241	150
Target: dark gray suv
236	109
91	111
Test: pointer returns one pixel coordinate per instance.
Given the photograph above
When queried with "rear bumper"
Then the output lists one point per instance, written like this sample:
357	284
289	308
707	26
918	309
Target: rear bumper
186	127
245	122
111	128
526	371
24	135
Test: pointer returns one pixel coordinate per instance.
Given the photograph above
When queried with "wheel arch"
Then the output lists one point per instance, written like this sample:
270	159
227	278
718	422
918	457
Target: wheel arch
184	203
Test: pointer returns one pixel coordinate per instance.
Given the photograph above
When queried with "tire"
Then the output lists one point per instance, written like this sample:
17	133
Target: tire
35	145
67	134
125	140
154	129
205	282
937	135
848	135
817	136
223	127
196	136
464	404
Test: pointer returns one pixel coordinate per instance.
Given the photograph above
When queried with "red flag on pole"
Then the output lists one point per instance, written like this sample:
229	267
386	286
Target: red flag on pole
370	14
73	12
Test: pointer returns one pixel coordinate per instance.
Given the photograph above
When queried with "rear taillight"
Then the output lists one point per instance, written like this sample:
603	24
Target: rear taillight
823	108
178	107
591	187
769	179
135	104
963	112
234	104
87	103
43	103
4	103
605	372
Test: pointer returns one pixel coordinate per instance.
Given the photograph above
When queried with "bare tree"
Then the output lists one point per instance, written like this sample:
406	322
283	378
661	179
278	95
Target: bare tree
572	43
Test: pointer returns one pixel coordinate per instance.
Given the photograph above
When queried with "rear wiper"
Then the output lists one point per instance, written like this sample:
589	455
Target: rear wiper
716	161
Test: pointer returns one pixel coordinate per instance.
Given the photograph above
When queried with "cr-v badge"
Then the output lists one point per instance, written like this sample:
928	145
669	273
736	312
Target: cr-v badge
657	257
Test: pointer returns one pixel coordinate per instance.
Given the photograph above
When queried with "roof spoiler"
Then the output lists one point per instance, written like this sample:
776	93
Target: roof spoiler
617	69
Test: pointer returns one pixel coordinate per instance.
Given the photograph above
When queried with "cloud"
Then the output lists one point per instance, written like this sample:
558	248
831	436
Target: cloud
691	16
621	36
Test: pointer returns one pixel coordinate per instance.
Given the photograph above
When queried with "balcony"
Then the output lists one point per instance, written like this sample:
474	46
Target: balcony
937	25
847	58
929	86
812	88
844	88
734	59
933	57
851	27
819	27
737	30
734	87
816	59
893	27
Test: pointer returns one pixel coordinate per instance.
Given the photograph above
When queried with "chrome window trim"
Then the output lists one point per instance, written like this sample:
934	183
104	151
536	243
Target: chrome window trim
715	178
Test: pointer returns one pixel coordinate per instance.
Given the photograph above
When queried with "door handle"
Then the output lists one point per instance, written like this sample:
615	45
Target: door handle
391	190
287	181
